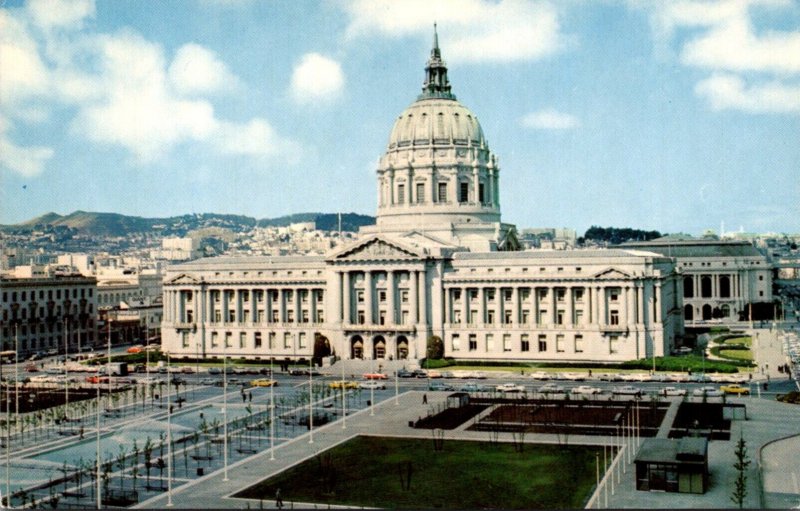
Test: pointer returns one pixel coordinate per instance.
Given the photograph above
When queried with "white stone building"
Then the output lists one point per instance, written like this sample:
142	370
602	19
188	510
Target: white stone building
439	262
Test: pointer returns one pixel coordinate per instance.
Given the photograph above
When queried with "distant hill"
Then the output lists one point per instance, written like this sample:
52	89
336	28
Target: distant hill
116	225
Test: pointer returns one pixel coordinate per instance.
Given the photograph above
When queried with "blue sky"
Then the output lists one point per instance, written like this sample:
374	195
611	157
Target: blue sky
674	116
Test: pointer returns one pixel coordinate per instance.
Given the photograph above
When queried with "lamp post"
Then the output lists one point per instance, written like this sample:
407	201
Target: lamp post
372	391
310	403
169	437
271	412
344	400
225	407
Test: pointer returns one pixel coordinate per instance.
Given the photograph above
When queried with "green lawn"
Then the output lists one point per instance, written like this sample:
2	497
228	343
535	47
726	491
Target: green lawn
368	471
736	354
741	341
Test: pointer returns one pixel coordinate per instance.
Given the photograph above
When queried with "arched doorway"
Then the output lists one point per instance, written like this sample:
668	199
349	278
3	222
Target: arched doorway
378	347
688	287
356	347
726	310
707	312
688	312
402	348
705	287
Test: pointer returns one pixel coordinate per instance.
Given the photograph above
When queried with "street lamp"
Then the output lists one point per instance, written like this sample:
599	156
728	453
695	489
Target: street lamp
271	412
169	438
310	402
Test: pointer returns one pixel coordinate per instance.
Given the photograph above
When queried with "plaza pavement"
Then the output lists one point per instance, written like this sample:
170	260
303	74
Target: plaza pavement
772	432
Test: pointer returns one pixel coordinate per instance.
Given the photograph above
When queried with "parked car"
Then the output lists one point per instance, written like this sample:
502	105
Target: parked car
626	390
208	381
586	389
447	374
707	391
405	373
672	391
264	382
375	376
735	388
420	373
551	388
509	387
343	384
540	375
214	370
372	384
135	349
265	371
438	385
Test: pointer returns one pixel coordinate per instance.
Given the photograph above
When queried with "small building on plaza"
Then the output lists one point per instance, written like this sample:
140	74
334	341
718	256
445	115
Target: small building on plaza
674	465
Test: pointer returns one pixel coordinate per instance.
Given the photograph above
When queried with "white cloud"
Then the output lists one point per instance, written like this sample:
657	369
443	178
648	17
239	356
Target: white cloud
197	70
27	161
727	91
49	14
550	119
316	78
472	30
722	39
119	90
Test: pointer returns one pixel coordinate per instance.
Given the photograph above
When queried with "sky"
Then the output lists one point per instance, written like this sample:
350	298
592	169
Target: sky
677	116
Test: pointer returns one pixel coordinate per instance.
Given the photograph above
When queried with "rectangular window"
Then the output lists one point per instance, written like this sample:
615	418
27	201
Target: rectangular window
401	194
559	317
455	342
489	343
287	341
304	316
261	316
303	296
185	339
542	343
578	294
578	317
360	296
525	343
578	344
473	316
457	317
490	295
404	317
320	316
245	296
456	295
257	340
442	192
473	342
404	296
275	318
613	317
289	297
382	318
508	294
272	337
231	316
420	193
559	343
361	318
506	342
290	316
301	340
561	295
612	344
382	296
228	339
507	317
463	192
481	196
242	339
613	295
525	317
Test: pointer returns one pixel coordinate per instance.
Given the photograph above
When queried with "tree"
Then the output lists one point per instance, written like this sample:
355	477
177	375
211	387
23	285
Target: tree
741	464
435	347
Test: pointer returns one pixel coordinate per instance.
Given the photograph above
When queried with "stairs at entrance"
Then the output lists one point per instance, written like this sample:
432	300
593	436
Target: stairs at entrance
358	367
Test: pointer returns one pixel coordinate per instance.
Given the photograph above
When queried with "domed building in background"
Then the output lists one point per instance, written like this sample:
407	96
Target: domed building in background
439	263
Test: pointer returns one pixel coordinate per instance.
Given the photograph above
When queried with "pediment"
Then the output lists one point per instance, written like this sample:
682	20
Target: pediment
184	279
376	249
612	274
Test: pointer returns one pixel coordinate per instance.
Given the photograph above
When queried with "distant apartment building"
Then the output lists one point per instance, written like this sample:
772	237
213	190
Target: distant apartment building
177	249
46	311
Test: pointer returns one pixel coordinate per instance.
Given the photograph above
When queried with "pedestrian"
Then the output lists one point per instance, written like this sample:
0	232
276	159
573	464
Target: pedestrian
250	397
81	430
278	499
424	399
244	396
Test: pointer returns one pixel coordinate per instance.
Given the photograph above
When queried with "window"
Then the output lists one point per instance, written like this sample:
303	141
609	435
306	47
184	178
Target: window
560	343
320	316
245	296
242	339
473	316
463	192
401	194
275	316
214	339
490	317
228	339
231	316
524	344
525	317
382	318
455	342
614	295
442	196
360	296
382	296
457	317
289	297
272	337
578	317
507	317
490	295
361	318
489	342
420	193
473	342
456	295
404	296
578	294
257	340
404	318
185	339
304	316
506	342
290	316
559	317
613	317
508	293
481	197
287	340
301	340
578	344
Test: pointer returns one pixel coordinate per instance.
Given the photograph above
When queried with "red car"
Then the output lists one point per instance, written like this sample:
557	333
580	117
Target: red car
375	376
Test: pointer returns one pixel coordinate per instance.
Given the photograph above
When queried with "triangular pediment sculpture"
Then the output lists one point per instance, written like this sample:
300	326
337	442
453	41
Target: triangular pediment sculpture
376	249
612	273
184	279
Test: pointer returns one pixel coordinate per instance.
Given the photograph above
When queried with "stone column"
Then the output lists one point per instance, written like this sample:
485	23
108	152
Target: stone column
498	305
601	306
657	302
554	305
334	314
570	309
414	298
640	302
347	294
368	297
630	306
536	319
423	297
282	305
390	291
481	305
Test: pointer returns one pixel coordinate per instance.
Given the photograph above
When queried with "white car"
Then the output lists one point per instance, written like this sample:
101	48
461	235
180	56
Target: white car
540	375
707	391
626	390
372	384
673	391
586	389
510	387
551	388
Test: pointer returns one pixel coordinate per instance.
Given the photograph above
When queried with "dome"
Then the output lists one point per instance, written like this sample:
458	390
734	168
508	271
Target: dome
437	122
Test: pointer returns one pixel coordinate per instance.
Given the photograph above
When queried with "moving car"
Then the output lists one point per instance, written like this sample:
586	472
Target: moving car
472	387
707	391
343	384
735	388
586	389
509	387
673	391
372	384
540	375
375	376
626	390
438	385
404	373
135	349
551	388
264	382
